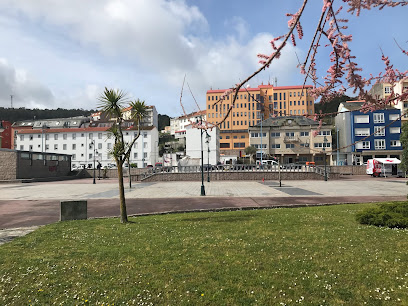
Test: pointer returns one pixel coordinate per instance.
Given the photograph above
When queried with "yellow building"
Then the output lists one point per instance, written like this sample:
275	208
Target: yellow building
251	106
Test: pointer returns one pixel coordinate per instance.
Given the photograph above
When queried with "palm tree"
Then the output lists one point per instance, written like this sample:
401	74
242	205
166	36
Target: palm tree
111	103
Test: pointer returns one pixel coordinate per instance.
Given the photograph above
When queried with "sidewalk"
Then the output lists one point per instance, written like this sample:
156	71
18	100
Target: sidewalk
36	204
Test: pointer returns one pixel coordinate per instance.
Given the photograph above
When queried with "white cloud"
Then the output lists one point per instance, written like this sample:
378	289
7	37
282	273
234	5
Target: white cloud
166	38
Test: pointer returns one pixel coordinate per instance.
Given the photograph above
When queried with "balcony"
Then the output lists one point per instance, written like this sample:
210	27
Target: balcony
290	139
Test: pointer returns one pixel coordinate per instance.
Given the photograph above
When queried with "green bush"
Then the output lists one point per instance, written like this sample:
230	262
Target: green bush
394	215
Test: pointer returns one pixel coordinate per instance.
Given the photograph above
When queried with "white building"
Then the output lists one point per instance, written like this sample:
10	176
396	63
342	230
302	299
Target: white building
178	125
212	144
150	119
82	143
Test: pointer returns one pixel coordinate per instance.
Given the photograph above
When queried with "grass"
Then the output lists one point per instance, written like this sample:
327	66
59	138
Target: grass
313	256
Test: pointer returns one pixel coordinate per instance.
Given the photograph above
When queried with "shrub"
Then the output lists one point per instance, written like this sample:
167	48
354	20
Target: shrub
393	215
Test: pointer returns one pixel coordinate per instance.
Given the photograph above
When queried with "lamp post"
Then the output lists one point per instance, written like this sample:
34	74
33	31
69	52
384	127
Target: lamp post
208	155
43	127
324	152
202	159
94	152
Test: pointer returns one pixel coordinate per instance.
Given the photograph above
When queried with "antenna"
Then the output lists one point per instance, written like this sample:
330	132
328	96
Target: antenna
11	99
276	82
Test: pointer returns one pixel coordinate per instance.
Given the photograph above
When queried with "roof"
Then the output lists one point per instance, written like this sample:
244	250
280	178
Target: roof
194	114
79	130
356	105
295	120
262	86
388	160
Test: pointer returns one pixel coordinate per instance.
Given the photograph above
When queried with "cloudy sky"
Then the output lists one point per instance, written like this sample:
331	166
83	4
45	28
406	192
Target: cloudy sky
62	53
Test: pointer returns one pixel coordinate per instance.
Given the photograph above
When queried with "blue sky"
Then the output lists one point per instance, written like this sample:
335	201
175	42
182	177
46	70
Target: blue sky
63	53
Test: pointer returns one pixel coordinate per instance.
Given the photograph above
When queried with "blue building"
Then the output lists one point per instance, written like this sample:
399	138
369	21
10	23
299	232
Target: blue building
362	136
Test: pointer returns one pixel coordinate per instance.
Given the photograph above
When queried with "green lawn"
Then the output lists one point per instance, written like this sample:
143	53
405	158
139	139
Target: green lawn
316	255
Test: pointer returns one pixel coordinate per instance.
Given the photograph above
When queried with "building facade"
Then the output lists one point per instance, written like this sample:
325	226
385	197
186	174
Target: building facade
383	90
363	136
251	107
5	134
210	141
291	139
85	141
178	125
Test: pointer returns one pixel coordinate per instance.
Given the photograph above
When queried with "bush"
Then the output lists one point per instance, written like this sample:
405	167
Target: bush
393	215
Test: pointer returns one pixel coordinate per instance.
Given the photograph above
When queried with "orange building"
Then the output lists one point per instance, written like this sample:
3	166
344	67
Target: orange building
251	106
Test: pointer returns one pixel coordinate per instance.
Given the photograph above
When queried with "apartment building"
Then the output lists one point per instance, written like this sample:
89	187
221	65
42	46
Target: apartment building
377	133
291	139
89	142
150	119
178	125
251	107
383	90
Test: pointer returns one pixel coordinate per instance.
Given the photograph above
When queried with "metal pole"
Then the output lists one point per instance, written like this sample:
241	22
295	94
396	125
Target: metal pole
261	140
42	140
93	143
130	177
208	161
202	163
280	179
325	173
338	158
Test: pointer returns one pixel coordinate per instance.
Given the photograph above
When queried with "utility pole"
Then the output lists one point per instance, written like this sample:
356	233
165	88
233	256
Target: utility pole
11	100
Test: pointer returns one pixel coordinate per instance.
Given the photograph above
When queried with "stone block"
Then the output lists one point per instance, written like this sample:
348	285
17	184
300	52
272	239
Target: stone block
73	210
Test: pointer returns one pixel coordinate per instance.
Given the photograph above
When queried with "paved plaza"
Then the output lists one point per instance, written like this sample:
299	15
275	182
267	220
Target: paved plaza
35	204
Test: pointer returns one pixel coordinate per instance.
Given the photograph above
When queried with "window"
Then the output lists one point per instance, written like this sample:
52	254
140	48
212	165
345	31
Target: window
109	146
30	148
363	145
135	155
99	146
254	135
82	135
275	146
304	133
64	146
144	135
362	132
322	145
73	136
224	145
90	135
47	137
239	145
379	144
290	146
145	155
31	137
362	119
258	146
275	134
290	134
395	143
90	155
64	136
227	137
379	131
393	117
324	133
387	89
99	135
235	137
378	117
21	138
395	130
55	147
73	146
145	145
73	156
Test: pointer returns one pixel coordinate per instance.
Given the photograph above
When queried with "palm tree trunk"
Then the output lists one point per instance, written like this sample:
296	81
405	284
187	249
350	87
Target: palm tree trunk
123	213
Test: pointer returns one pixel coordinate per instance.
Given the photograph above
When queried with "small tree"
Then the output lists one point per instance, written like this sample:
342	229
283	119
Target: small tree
250	150
404	143
112	104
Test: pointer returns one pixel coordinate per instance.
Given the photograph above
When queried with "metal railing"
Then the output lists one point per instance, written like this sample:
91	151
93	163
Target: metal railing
236	168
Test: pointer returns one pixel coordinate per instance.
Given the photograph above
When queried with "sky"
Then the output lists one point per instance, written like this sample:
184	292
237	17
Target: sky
62	53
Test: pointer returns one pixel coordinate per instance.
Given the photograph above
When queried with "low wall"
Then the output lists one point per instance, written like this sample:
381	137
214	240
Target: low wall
8	165
113	173
236	176
352	170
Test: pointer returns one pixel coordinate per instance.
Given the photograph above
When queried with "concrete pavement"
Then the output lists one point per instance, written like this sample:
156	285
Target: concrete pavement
23	205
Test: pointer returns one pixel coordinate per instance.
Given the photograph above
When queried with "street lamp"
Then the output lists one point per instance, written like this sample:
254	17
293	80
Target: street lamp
208	137
202	158
94	150
43	127
324	151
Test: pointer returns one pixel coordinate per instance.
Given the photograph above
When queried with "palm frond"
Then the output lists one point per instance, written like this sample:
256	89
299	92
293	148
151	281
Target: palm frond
111	102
